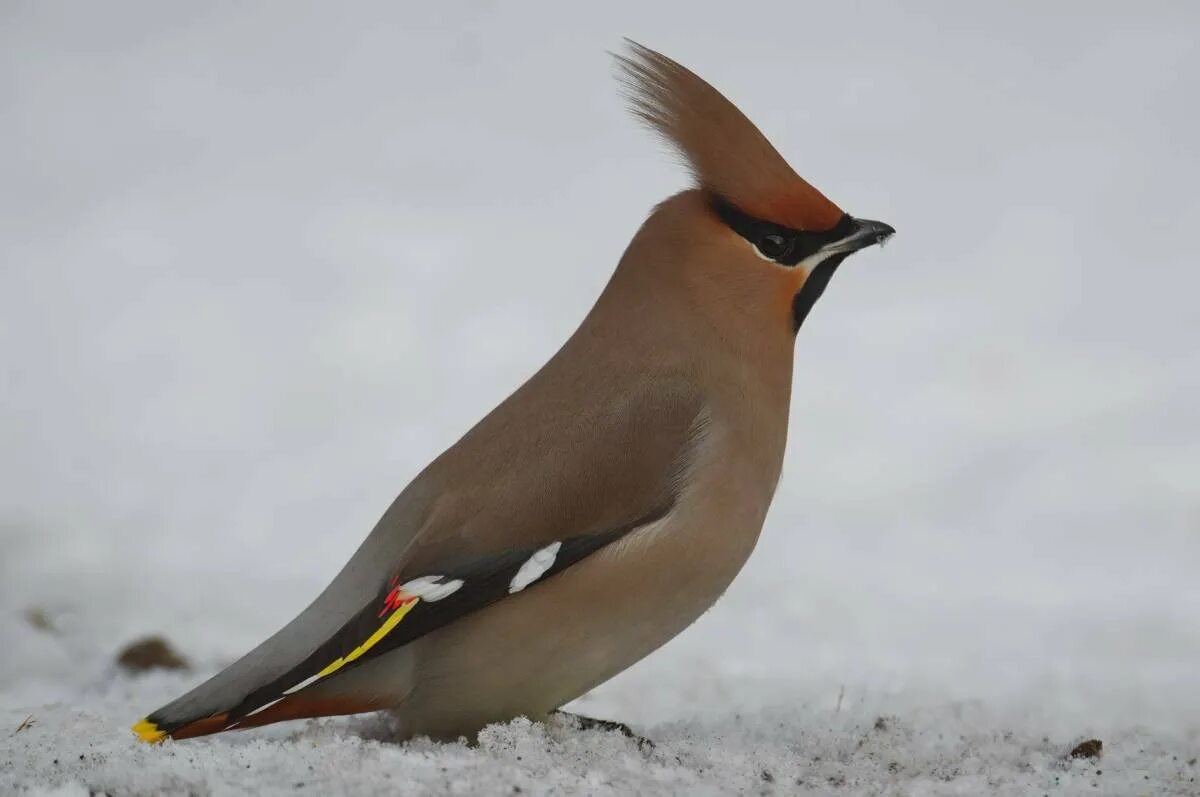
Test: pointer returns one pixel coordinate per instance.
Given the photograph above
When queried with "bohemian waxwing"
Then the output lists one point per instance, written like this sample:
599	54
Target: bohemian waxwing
608	502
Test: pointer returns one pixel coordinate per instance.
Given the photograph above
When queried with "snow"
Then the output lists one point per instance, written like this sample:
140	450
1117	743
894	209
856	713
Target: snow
259	264
849	752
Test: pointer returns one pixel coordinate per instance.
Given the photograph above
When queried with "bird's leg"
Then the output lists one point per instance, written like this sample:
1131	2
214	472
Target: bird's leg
593	724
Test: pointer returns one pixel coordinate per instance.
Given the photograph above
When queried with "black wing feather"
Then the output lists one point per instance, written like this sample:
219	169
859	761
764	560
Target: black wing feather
486	580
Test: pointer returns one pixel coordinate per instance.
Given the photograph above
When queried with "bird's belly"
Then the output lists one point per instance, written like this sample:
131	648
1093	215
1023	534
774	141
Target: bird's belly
537	650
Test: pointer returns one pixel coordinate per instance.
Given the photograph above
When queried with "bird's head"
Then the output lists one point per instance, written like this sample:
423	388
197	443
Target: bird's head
768	224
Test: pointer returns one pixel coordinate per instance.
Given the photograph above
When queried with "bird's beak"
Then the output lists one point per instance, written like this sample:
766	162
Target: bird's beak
868	233
864	233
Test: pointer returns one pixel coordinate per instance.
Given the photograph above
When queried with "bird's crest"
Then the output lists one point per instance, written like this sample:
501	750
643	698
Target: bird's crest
725	152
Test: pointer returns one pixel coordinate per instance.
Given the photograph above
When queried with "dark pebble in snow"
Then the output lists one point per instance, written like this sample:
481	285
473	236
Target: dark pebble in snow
150	653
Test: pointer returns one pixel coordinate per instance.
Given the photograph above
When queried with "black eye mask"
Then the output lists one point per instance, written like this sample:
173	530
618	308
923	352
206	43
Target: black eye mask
785	246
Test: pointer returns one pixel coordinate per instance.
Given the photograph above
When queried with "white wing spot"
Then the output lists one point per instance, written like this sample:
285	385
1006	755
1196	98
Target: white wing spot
430	588
534	567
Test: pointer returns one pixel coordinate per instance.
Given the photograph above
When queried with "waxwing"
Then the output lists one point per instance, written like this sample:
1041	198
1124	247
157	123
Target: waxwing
610	500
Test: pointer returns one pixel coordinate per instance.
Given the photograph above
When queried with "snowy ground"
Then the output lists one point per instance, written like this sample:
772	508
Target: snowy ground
259	264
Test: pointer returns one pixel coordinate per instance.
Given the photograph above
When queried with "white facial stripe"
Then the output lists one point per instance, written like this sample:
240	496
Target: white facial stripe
534	567
761	256
839	246
810	262
816	259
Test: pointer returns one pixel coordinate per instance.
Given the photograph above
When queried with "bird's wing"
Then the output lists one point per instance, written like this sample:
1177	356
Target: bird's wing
399	614
503	510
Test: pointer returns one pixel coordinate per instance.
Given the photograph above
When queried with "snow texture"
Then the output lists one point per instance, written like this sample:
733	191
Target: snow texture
772	752
259	263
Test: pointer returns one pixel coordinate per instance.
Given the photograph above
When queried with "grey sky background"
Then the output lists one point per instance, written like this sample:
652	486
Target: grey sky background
260	262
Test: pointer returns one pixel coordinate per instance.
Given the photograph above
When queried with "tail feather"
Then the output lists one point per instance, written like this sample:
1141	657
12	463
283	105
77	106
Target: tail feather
290	708
213	705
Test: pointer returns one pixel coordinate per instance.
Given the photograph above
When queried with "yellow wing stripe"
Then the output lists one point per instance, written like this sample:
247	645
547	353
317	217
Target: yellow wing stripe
393	620
147	731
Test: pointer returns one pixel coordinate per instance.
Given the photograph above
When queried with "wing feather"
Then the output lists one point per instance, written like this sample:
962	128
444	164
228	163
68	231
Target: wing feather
404	610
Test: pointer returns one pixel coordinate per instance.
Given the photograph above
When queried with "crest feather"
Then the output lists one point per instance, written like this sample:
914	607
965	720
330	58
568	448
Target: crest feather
724	151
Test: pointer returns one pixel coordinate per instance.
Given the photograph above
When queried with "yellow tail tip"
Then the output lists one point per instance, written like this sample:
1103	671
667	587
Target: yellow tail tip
147	731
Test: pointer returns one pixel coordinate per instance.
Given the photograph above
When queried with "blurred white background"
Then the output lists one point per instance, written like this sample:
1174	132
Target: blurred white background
260	262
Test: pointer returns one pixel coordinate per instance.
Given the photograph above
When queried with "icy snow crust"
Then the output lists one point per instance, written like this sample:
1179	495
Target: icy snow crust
82	752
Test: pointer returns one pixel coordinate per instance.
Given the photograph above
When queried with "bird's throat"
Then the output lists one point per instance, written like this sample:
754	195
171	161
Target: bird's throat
812	289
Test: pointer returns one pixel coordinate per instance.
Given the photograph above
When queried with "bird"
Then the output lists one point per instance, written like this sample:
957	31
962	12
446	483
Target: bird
611	499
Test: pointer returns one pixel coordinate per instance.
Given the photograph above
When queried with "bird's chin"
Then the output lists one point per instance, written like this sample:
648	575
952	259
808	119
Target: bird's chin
814	285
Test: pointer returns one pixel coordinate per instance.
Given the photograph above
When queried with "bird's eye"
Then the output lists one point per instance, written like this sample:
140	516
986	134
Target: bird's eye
773	246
